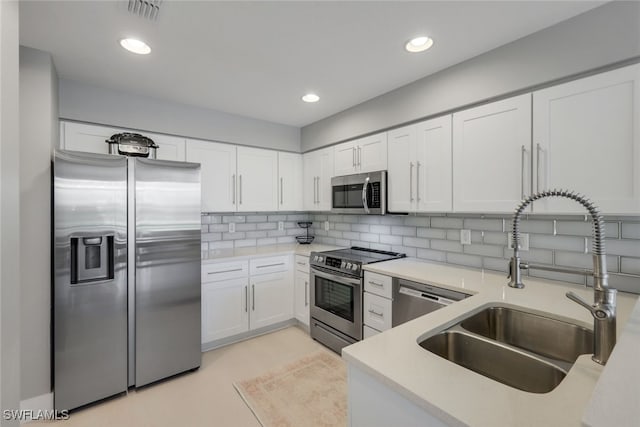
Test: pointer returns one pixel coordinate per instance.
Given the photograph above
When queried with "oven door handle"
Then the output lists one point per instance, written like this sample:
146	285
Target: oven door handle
335	277
365	187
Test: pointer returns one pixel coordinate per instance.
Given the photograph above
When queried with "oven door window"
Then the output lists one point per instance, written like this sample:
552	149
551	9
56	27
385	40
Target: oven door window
334	297
347	196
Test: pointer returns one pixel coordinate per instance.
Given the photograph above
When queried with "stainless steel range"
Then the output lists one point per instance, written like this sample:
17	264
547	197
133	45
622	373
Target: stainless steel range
336	299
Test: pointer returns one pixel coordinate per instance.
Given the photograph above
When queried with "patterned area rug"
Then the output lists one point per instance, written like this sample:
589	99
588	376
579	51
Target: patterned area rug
309	392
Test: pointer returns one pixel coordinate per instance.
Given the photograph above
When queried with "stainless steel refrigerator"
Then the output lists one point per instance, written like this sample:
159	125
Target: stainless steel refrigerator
126	268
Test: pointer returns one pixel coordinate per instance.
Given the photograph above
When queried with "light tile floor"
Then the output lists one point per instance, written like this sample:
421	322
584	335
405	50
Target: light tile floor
202	398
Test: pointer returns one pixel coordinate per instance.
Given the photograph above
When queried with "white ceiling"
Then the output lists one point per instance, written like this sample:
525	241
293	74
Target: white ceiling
258	58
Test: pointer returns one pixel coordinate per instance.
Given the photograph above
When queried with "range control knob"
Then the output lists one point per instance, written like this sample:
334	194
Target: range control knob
348	266
320	259
354	267
343	264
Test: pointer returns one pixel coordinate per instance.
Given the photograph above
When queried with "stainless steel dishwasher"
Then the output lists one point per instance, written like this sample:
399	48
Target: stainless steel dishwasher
412	300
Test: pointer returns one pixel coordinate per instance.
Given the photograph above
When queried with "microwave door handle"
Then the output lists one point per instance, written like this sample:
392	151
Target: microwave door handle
364	195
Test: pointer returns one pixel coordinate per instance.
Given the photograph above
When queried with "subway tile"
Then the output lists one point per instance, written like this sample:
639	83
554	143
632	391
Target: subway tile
286	239
380	247
335	218
267	226
380	229
370	237
204	228
392	220
495	238
431	255
218	228
276	233
446	245
256	218
204	246
630	265
342	226
233	218
245	227
410	252
317	218
215	219
335	234
483	250
476	237
564	243
320	232
297	217
295	232
432	233
233	236
351	219
625	283
417	221
577	260
552	275
256	234
360	243
291	224
266	241
581	228
205	219
483	224
351	235
453	235
446	222
466	260
228	244
631	230
538	256
369	219
623	247
391	240
399	230
360	227
275	218
496	264
343	242
415	242
329	241
211	237
533	226
245	243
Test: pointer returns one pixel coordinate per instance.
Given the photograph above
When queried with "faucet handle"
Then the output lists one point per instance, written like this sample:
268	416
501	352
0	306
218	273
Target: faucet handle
596	311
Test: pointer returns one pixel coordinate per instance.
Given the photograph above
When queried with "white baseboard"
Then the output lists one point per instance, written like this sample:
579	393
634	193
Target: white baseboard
44	402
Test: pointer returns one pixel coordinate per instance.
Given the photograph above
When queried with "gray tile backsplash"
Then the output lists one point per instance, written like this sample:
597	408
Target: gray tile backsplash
557	241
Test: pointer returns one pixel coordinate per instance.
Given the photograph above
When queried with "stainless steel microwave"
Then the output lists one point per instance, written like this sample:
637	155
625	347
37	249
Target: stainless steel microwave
364	193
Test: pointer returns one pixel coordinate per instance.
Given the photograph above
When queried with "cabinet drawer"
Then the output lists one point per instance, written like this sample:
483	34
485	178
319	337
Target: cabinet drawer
376	312
368	332
224	271
302	263
269	265
378	284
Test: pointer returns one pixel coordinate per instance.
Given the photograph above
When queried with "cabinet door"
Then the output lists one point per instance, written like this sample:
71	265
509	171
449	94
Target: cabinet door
301	305
290	182
169	147
587	139
372	153
326	161
225	309
271	299
401	171
345	158
87	138
257	180
217	174
312	171
492	156
434	173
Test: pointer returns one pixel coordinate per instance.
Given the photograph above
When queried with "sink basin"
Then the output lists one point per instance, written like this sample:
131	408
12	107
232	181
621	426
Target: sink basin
496	361
541	335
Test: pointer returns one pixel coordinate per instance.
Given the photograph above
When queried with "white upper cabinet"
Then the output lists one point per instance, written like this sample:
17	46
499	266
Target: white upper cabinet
257	180
289	182
419	166
317	173
169	147
492	156
362	155
586	137
86	137
217	174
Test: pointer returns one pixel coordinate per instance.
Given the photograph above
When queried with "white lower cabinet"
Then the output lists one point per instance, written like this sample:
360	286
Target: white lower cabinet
368	331
376	303
224	309
302	290
271	299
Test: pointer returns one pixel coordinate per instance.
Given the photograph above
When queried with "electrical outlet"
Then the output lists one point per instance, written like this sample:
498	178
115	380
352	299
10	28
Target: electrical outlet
232	227
326	226
524	241
465	237
280	226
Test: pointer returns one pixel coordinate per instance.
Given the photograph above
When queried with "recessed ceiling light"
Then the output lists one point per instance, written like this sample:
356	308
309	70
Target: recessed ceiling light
311	97
419	44
135	46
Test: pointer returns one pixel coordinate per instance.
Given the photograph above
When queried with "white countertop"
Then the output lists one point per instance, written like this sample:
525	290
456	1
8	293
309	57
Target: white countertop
298	249
459	396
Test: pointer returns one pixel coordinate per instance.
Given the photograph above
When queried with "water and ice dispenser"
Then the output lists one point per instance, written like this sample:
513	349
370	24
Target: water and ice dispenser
91	259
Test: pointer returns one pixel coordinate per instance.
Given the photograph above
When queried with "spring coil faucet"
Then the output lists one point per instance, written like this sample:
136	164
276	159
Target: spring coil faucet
603	309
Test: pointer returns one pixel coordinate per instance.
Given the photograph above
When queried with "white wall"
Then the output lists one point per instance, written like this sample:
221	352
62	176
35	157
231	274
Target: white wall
38	134
9	212
93	104
597	38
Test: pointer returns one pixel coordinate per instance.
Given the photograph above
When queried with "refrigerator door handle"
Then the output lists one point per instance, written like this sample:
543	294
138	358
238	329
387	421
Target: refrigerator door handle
246	299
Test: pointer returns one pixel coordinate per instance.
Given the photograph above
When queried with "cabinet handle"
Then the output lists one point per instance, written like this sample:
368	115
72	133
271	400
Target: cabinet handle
246	300
315	187
411	181
233	199
376	313
301	263
538	150
418	181
269	265
224	271
318	188
253	297
281	198
371	282
522	153
306	293
240	189
359	156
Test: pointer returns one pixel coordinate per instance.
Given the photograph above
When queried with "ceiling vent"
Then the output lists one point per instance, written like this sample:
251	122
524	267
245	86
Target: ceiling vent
147	9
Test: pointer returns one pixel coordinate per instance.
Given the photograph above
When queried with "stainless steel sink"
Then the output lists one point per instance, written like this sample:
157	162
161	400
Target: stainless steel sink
539	334
527	351
491	359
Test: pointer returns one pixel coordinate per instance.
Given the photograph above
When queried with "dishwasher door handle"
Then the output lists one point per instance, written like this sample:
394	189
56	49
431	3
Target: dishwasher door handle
426	296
